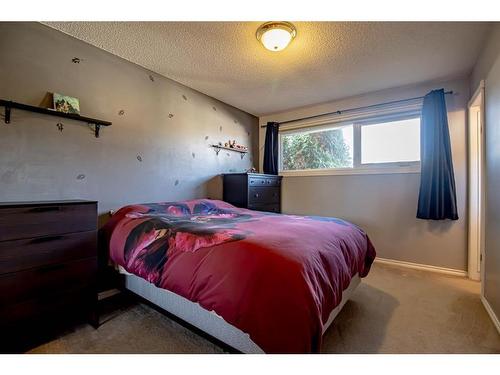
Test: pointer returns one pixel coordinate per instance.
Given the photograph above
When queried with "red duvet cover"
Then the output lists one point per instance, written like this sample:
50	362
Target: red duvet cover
275	277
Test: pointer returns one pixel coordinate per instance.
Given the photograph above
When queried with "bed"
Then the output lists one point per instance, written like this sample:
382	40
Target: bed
259	282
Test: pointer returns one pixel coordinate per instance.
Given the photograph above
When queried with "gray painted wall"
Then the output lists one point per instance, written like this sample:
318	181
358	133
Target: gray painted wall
385	204
157	150
488	68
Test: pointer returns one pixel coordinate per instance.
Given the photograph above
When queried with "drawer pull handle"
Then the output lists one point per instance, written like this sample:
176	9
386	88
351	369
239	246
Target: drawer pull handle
45	239
45	209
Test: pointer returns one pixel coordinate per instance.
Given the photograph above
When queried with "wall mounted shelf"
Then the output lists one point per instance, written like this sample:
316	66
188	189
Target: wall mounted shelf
9	105
219	147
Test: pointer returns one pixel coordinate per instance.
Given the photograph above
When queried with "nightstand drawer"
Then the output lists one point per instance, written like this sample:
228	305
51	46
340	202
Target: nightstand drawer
263	195
264	181
266	207
45	281
24	254
46	220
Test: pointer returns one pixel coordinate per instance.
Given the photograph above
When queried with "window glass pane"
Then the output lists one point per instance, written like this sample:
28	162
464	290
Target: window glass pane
396	141
331	148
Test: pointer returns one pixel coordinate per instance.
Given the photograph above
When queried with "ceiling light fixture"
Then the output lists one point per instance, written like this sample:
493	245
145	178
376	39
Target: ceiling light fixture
276	36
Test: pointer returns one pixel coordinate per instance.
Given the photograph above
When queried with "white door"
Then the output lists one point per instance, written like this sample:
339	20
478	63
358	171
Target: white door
476	183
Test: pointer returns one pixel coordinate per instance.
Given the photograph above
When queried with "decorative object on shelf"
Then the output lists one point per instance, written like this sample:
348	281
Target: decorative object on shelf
9	105
66	104
47	101
219	147
240	147
233	145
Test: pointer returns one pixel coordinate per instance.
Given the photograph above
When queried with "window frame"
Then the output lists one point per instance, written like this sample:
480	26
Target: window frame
358	167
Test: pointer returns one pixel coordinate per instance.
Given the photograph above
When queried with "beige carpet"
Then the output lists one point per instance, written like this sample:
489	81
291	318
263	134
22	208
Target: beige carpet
394	310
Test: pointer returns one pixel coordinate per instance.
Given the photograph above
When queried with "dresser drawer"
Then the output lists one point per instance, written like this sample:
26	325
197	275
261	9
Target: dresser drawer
58	305
266	207
34	322
263	195
263	181
24	254
46	220
45	281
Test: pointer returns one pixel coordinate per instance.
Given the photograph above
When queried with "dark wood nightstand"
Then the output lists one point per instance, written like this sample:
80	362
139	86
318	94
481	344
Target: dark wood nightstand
255	191
48	269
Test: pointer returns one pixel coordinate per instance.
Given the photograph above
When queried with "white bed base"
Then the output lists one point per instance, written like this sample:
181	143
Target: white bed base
209	321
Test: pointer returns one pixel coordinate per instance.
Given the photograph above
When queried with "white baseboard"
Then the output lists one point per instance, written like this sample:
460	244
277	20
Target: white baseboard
422	267
491	313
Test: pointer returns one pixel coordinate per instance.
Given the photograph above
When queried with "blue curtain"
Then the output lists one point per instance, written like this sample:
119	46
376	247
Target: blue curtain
271	148
437	198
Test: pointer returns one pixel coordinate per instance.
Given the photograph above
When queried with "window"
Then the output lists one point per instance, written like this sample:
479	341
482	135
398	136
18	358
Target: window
318	149
368	146
391	142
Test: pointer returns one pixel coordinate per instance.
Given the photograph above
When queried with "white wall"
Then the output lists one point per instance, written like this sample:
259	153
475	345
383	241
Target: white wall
385	205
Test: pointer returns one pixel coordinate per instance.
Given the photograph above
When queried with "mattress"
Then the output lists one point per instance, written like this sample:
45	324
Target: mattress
209	321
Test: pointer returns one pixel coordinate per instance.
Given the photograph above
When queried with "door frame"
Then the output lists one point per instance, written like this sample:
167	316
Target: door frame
476	185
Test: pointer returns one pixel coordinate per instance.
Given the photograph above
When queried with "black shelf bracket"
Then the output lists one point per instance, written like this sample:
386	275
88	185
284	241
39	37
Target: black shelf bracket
72	116
7	114
97	129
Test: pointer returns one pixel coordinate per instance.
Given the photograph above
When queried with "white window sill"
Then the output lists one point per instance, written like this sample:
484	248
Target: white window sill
352	171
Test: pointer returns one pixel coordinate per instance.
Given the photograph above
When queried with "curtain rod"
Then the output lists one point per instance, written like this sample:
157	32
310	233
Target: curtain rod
353	109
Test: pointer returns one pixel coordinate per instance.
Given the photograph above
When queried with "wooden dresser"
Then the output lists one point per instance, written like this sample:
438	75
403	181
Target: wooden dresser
255	191
48	265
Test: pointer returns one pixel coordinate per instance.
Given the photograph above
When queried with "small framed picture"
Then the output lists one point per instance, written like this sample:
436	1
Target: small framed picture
66	104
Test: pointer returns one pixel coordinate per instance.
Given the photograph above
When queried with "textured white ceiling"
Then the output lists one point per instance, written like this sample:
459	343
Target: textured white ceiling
327	60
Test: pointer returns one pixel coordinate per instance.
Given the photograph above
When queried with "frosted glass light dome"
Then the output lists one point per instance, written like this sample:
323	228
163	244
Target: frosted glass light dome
276	36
